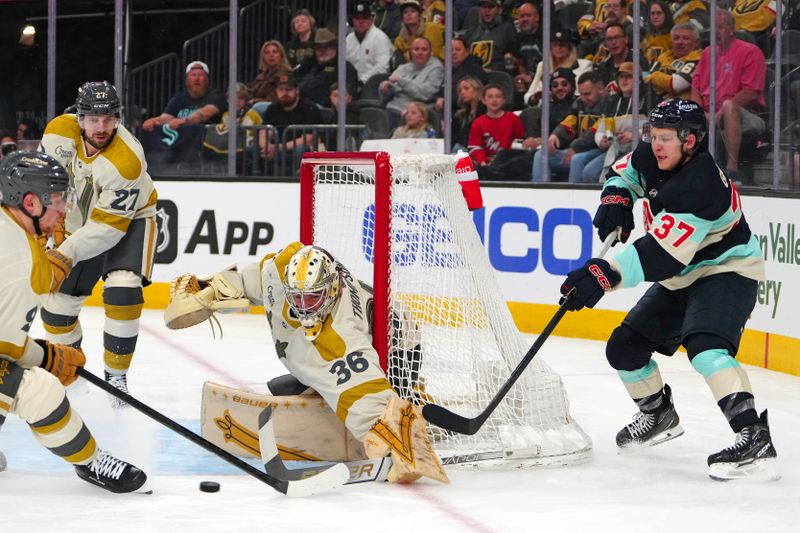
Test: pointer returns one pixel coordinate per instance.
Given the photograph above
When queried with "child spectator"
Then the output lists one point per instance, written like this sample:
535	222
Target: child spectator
492	133
301	48
416	123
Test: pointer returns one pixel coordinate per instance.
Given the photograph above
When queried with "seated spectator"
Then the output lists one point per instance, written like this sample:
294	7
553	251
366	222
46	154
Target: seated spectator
272	64
288	109
420	79
413	27
577	132
616	13
493	40
529	44
433	11
619	52
368	48
352	116
178	131
756	18
657	39
469	108
741	76
300	48
27	131
317	76
591	28
388	17
493	133
215	141
563	54
416	123
614	131
671	74
464	64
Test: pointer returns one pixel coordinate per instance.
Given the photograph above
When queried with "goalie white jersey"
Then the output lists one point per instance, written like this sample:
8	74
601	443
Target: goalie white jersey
113	187
340	364
24	277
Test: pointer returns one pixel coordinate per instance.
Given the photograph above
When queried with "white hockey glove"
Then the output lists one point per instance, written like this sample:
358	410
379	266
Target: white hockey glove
194	300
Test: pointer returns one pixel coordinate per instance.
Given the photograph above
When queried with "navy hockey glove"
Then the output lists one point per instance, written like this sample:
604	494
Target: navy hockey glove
589	283
616	209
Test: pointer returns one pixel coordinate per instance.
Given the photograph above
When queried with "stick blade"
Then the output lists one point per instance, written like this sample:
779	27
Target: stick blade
446	419
293	481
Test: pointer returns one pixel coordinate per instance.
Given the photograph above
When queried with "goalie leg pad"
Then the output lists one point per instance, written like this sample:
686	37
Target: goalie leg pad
403	432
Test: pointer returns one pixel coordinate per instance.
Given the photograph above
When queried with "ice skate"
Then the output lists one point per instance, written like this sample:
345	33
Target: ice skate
751	456
118	381
650	429
112	474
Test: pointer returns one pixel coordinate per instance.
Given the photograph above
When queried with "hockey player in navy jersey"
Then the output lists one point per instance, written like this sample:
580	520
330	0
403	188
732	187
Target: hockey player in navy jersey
705	264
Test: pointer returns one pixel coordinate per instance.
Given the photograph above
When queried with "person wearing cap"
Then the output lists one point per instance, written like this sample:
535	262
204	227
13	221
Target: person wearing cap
614	131
413	27
288	109
493	40
300	49
388	17
420	79
739	90
196	104
316	77
563	54
562	97
368	48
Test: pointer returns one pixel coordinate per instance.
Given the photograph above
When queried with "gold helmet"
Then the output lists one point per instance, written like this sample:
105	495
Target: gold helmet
311	283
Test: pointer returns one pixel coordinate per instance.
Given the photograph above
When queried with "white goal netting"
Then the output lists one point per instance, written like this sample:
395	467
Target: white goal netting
452	340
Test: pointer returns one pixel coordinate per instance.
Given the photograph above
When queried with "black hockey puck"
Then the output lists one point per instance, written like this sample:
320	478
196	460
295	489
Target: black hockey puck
209	486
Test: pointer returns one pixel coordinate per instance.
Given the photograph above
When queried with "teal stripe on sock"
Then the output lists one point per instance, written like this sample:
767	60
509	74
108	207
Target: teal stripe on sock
632	376
712	361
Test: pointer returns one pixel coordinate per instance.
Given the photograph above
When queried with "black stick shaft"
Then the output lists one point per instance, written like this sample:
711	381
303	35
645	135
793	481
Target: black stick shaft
277	484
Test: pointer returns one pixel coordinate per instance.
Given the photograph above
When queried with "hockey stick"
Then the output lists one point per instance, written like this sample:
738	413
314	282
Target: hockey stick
329	478
446	419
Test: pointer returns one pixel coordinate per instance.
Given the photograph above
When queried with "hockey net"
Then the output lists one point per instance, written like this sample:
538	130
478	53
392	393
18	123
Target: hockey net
441	326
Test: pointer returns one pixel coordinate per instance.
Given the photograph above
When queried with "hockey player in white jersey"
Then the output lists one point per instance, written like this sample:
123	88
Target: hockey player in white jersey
35	193
111	230
320	318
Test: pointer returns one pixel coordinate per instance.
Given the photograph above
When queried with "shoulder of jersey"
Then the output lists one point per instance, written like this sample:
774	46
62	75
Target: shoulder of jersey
64	126
126	154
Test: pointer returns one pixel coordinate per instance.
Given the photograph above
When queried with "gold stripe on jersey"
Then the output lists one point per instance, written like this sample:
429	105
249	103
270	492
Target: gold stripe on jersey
151	201
84	454
352	395
115	221
60	330
147	260
116	361
329	343
64	126
41	271
5	406
123	312
12	350
120	155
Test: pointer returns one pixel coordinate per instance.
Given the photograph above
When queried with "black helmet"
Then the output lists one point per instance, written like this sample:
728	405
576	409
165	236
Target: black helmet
36	172
684	116
98	98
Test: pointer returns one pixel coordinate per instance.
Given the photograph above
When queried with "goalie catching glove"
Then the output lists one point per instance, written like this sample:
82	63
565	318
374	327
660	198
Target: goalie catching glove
61	360
194	300
403	432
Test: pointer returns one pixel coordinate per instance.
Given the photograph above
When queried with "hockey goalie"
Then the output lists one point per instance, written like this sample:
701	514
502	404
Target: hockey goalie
320	319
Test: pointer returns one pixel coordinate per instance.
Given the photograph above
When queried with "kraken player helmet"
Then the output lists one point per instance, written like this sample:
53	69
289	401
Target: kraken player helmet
684	116
98	98
36	172
311	283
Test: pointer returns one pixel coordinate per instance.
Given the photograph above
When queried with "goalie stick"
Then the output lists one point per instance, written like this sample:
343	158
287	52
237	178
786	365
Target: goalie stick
446	419
323	479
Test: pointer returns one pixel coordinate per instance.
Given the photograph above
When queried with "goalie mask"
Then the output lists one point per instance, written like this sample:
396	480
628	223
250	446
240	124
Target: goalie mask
311	283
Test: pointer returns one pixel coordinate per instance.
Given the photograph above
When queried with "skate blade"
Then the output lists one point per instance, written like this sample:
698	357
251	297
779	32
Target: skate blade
672	433
758	471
